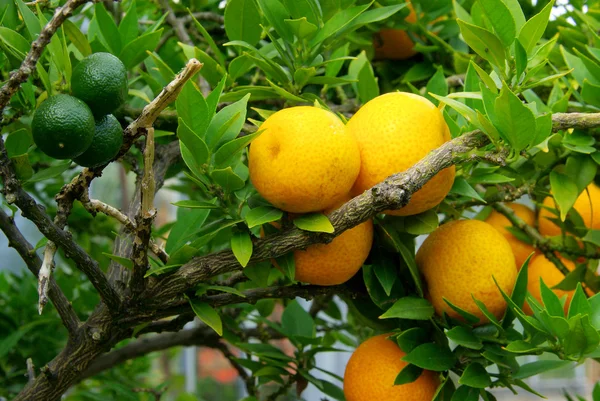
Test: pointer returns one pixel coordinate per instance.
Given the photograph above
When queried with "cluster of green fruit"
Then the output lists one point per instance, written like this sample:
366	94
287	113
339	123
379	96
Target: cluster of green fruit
81	127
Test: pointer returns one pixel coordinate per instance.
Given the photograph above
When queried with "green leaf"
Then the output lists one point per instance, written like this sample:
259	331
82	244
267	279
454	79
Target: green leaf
522	347
305	8
182	255
315	222
463	188
15	42
195	146
520	58
137	50
410	308
9	342
128	263
262	215
18	142
77	38
276	13
465	393
591	93
108	28
31	21
408	374
515	121
50	172
484	43
519	293
582	169
579	304
565	192
537	367
193	110
386	274
422	223
437	85
408	256
469	317
194	204
241	245
534	29
227	123
431	356
517	13
411	338
502	20
551	301
188	222
229	151
366	86
295	321
228	290
211	43
465	337
207	314
475	376
128	28
228	179
338	22
287	264
582	339
301	27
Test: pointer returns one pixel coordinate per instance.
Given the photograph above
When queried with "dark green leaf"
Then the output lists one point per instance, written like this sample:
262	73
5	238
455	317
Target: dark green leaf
136	51
534	29
408	374
484	43
228	179
50	172
423	223
194	204
207	314
227	123
501	19
262	215
337	23
565	192
579	304
431	356
241	245
537	367
465	337
475	376
287	264
463	188
276	13
128	263
410	339
465	393
230	150
296	321
410	308
108	28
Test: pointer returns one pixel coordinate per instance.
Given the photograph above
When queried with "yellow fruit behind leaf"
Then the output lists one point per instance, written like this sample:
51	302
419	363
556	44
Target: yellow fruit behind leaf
587	205
541	267
372	370
520	249
459	260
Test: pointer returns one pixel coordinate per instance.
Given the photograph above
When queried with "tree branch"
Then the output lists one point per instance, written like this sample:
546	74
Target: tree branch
17	241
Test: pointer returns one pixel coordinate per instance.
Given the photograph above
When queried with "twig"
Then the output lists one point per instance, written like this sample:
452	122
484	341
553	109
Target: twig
27	253
206	16
144	218
94	206
455	80
30	370
37	47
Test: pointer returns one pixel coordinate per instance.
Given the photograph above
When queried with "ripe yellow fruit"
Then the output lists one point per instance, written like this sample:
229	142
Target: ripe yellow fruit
305	160
336	262
372	370
394	131
587	205
520	249
460	259
541	267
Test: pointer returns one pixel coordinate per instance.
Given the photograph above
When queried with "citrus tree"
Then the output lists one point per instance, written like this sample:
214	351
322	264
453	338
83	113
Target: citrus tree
311	144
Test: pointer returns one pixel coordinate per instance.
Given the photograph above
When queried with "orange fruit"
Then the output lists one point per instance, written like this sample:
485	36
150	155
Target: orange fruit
587	205
394	131
459	260
305	160
520	249
372	370
541	267
395	44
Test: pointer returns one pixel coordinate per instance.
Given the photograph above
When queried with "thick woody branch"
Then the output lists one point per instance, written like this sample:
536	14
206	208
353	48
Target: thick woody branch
202	335
17	241
37	47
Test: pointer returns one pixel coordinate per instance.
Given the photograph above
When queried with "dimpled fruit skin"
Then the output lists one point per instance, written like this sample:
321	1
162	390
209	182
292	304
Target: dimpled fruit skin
394	131
63	127
520	249
540	267
588	207
372	370
100	80
304	161
458	259
336	262
106	144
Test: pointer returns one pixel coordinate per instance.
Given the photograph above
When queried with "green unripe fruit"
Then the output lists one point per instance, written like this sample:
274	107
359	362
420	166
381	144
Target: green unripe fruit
63	127
105	145
100	80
